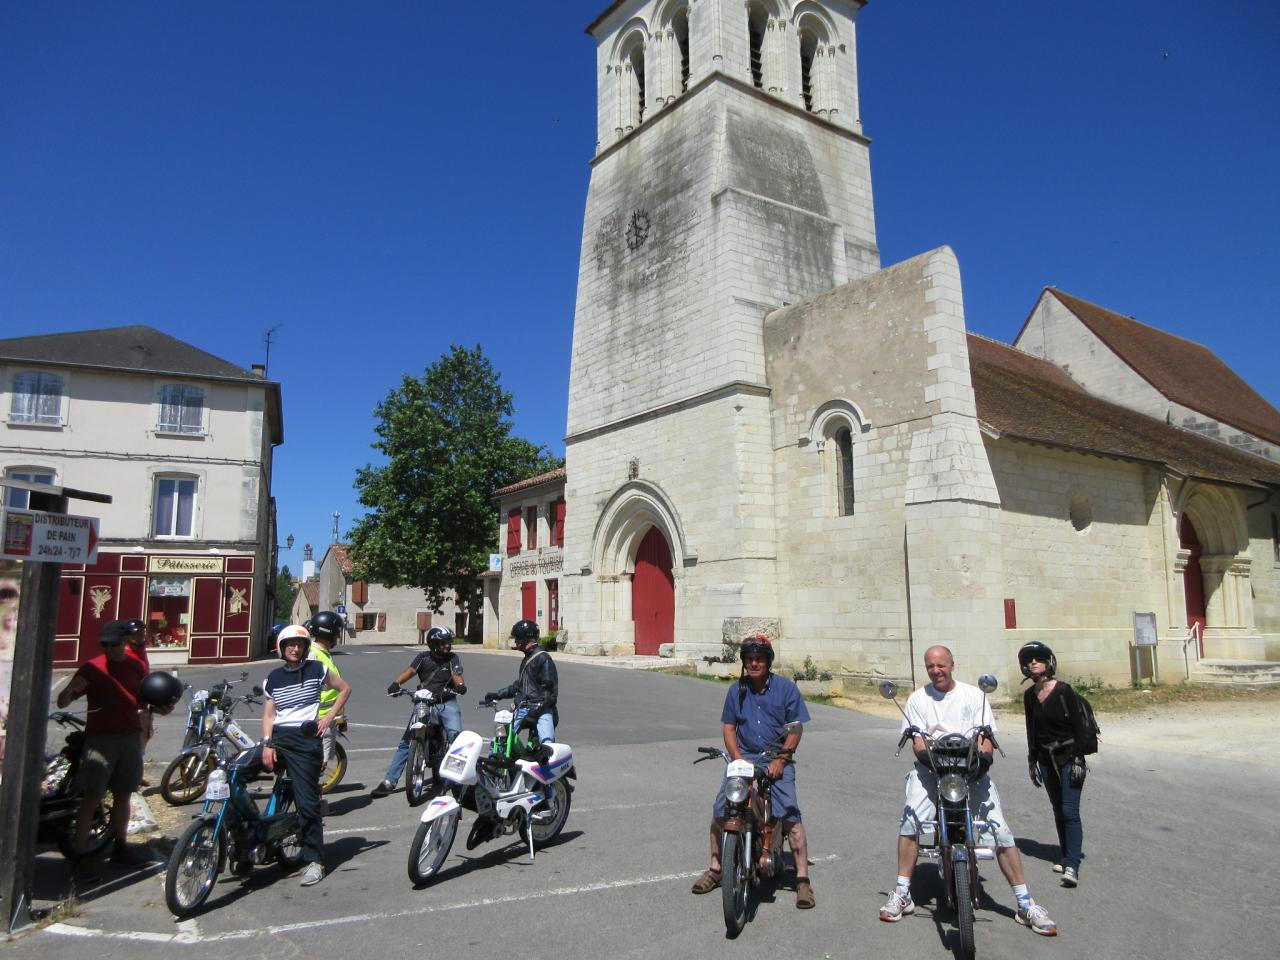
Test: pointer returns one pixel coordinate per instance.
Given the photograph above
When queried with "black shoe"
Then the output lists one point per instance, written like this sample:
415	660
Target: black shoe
384	789
86	871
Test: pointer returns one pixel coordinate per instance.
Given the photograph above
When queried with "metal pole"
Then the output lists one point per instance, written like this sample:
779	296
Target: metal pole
25	741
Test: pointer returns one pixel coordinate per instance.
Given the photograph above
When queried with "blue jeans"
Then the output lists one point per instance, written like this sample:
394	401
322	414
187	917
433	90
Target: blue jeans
1065	800
546	727
450	718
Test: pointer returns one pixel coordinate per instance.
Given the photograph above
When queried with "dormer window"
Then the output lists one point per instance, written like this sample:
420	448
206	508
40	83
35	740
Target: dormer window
36	399
181	409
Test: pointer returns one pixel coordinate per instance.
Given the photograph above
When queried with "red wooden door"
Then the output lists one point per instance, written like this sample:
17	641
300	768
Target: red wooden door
1192	581
529	600
653	594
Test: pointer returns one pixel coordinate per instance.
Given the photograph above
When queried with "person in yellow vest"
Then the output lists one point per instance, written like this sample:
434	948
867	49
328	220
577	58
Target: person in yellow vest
326	628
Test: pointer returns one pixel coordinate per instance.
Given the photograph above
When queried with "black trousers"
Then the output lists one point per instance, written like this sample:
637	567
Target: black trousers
303	757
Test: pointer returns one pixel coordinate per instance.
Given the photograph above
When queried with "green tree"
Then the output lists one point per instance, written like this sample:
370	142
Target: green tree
446	436
286	592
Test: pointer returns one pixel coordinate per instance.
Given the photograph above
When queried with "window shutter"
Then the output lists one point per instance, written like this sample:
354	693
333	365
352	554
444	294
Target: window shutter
559	534
513	532
382	622
531	526
360	592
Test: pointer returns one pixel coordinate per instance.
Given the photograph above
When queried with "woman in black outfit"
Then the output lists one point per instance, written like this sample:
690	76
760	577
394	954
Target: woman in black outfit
1055	726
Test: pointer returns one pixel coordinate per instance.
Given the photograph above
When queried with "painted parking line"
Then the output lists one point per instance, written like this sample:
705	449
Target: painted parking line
191	934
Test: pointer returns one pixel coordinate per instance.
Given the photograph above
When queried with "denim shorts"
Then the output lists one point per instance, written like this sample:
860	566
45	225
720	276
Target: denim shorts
782	794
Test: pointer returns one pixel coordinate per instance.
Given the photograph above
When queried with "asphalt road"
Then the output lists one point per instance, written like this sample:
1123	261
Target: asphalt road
1175	859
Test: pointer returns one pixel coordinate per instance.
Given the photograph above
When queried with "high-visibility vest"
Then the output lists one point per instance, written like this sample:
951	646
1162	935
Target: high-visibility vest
328	697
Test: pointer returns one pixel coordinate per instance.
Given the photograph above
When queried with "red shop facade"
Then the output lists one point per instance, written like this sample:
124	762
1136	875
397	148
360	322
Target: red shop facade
198	607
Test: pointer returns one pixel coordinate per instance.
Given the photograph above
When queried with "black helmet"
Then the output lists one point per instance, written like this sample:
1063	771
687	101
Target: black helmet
524	631
160	689
438	637
1035	650
327	625
135	626
757	644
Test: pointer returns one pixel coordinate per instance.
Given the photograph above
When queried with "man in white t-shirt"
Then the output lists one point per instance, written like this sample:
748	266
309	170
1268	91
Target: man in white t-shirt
943	706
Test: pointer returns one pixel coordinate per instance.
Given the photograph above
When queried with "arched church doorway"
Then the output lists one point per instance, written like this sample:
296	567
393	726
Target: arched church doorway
653	594
1192	578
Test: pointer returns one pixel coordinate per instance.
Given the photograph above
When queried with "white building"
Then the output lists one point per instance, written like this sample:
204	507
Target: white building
769	432
182	441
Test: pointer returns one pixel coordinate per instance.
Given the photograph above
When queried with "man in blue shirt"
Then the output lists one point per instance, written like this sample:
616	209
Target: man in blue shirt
756	709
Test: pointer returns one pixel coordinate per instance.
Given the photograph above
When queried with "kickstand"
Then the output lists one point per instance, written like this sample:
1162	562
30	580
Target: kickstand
528	826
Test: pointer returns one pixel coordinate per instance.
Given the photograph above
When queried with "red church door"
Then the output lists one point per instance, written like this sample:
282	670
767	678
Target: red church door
653	594
1192	581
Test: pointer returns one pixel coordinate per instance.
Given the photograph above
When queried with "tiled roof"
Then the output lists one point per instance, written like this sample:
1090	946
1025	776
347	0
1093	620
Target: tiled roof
339	551
1183	371
551	476
137	349
311	591
1026	398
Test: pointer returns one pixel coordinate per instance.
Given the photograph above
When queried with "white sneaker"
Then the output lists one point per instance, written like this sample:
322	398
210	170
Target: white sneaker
1037	918
896	907
1070	878
1058	867
312	875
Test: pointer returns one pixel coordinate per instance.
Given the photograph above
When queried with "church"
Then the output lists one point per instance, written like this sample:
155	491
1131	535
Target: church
770	431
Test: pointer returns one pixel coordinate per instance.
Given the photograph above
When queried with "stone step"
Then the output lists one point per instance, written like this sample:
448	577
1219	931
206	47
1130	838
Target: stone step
1238	673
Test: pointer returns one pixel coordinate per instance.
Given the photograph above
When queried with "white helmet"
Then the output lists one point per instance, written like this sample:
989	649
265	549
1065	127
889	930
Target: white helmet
294	633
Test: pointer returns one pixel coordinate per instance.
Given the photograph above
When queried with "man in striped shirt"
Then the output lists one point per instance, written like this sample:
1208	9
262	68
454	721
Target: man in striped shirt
292	730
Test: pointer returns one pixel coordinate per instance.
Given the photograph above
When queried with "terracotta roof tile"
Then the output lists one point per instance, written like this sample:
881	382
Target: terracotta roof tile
551	476
1024	397
339	551
1183	371
311	591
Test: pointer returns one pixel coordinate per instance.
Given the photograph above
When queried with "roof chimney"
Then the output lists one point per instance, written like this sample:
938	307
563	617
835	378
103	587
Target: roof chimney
259	370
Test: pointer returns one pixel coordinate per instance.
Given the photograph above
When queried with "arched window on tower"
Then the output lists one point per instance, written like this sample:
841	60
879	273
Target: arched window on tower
817	63
680	26
635	58
631	85
808	48
757	24
844	471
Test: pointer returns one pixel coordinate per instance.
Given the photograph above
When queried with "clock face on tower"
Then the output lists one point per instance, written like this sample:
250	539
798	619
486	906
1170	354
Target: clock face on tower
637	230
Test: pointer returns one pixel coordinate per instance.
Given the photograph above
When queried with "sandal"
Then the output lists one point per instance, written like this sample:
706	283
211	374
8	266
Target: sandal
804	894
709	880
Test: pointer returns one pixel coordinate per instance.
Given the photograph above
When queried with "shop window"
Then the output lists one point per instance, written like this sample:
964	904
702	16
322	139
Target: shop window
169	613
531	528
36	398
513	532
181	409
21	499
175	507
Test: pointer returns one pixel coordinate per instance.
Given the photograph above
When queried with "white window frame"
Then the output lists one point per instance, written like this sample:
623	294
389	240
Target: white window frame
30	474
39	419
166	401
178	479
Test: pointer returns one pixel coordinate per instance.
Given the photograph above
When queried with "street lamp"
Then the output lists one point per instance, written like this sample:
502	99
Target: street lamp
288	542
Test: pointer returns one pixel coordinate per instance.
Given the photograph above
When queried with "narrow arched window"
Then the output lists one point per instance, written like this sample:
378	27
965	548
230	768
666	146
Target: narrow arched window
808	50
680	25
757	23
636	60
844	471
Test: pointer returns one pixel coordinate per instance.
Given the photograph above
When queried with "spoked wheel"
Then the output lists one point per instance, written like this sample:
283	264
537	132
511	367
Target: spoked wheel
964	910
289	849
431	845
185	778
420	782
549	817
193	868
335	769
99	834
734	884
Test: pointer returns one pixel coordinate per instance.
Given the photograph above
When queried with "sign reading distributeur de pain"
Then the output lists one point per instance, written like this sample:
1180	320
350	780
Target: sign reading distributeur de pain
40	537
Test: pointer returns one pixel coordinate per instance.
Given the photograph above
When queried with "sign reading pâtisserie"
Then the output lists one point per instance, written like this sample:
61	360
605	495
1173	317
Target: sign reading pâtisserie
180	565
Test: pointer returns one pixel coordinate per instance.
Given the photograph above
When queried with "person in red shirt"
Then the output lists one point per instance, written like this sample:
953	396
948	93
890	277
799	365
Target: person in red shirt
113	747
134	634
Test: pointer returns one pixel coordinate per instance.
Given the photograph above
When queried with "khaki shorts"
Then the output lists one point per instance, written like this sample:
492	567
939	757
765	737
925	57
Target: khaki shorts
112	762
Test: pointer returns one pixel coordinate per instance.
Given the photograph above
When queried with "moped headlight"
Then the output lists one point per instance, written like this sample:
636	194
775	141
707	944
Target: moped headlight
420	710
206	725
736	790
952	788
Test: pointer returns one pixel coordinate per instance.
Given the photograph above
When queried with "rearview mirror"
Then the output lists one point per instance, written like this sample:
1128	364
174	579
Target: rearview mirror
888	689
987	683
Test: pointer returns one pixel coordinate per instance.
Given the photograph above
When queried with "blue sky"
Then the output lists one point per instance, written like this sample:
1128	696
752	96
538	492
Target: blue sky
386	178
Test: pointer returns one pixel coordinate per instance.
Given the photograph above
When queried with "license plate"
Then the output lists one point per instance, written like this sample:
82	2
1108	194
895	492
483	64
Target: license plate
219	790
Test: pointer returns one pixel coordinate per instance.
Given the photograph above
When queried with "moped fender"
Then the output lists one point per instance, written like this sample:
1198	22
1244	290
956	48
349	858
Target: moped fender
438	807
959	854
732	825
200	750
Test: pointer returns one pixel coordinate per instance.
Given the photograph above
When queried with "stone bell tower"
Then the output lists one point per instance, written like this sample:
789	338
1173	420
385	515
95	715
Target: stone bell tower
731	177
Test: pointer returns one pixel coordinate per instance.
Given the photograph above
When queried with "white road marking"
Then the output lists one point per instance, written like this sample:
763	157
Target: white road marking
143	936
369	750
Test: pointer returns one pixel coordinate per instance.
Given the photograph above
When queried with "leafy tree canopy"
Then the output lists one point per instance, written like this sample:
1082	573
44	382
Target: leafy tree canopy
447	439
285	594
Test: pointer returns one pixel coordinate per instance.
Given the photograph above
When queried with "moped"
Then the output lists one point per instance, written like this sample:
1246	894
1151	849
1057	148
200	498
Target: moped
427	743
60	799
212	733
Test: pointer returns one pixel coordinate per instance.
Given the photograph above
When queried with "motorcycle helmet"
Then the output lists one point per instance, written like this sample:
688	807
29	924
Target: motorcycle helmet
757	644
327	626
135	626
438	637
524	633
1035	650
293	633
274	632
160	689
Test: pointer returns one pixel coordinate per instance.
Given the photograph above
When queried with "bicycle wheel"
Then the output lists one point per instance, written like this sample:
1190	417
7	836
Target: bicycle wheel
99	834
964	911
185	777
193	868
420	779
289	850
734	883
550	816
431	845
335	769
